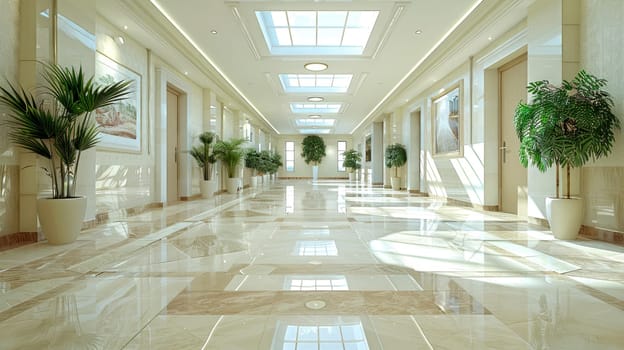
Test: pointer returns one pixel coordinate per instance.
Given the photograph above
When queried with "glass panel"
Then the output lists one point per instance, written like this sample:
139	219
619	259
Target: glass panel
327	333
355	37
329	36
332	18
279	18
307	333
302	18
291	333
303	36
283	36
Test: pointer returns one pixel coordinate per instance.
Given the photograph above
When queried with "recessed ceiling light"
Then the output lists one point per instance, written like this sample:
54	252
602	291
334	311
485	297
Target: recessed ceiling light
418	31
121	40
185	73
490	38
314	116
315	66
214	32
125	27
315	99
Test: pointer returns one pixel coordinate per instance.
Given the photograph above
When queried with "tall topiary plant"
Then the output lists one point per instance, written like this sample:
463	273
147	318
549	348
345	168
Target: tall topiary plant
313	150
352	159
567	125
396	157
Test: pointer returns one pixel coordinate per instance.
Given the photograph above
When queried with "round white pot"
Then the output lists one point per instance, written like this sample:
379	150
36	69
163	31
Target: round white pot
233	185
266	178
395	182
315	173
351	176
61	219
565	216
254	181
208	188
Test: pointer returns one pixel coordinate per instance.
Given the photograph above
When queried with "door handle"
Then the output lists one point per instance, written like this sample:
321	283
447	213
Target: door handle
504	150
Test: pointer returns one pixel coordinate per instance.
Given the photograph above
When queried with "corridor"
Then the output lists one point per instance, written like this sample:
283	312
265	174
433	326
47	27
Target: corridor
296	265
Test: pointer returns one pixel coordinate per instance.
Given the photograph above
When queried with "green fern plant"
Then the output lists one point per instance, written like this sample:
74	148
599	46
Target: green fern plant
56	123
313	149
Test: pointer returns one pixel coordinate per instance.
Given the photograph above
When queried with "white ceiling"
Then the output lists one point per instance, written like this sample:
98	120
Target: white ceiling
238	54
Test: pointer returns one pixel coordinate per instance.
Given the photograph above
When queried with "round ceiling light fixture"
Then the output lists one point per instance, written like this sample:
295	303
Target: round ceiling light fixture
314	116
315	66
315	99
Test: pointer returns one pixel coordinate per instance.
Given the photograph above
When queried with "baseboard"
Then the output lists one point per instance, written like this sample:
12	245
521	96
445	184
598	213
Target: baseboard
17	239
190	198
538	221
600	234
461	203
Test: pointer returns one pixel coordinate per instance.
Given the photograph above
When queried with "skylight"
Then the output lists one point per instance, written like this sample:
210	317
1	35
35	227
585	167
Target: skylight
322	336
314	131
316	248
316	283
316	82
317	32
318	108
315	122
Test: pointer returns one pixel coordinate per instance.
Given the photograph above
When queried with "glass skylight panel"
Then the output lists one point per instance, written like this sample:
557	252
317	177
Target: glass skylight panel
339	336
293	83
314	131
328	123
315	108
317	32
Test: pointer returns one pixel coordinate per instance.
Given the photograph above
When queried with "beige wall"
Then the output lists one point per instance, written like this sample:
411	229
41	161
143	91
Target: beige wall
328	167
602	54
9	170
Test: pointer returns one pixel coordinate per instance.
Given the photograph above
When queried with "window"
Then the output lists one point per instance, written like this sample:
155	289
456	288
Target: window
290	156
317	32
342	147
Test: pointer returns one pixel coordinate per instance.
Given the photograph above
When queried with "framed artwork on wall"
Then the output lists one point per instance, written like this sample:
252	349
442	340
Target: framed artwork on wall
447	122
368	150
119	124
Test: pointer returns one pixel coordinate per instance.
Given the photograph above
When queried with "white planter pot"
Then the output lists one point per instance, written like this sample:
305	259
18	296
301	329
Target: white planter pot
315	173
61	219
395	182
234	185
266	178
208	188
254	181
565	216
351	176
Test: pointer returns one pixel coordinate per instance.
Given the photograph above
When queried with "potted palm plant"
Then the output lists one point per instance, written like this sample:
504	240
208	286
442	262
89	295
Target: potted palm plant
230	153
205	157
352	159
396	157
252	162
56	124
564	127
313	151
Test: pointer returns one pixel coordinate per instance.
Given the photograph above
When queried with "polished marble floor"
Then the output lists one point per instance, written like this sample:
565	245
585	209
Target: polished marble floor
324	266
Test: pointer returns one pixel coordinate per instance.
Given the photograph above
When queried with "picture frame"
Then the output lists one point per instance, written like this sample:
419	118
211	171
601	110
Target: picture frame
119	124
447	115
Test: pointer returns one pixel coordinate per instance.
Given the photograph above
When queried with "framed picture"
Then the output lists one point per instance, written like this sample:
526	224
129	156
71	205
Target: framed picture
447	122
120	124
368	150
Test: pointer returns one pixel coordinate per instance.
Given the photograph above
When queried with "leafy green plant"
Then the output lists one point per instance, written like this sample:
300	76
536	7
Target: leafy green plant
352	159
56	124
313	150
396	157
265	163
567	125
203	154
276	162
230	153
252	160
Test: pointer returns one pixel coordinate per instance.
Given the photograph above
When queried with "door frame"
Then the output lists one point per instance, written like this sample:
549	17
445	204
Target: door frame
165	80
